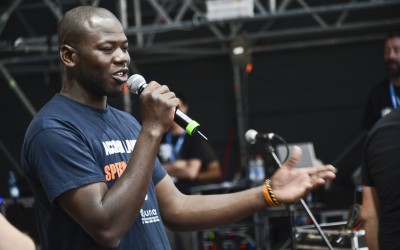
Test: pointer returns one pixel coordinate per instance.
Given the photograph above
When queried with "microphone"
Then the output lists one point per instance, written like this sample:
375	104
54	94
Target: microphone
253	136
136	83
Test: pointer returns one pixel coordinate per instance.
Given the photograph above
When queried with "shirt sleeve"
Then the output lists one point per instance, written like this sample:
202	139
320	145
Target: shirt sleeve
63	161
159	172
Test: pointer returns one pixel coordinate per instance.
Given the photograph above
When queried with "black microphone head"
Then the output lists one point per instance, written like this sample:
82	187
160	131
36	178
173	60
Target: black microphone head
250	136
136	83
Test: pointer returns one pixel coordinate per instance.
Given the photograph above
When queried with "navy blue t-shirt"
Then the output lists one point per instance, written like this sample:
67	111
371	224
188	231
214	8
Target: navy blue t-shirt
68	145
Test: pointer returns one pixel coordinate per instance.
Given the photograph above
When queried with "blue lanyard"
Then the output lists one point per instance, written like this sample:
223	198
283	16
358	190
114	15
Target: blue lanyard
178	144
394	97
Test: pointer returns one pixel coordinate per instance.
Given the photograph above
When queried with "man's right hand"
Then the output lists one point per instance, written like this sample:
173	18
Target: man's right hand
158	105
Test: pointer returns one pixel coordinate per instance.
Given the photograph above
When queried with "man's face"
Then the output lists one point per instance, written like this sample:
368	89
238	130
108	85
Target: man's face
103	58
392	56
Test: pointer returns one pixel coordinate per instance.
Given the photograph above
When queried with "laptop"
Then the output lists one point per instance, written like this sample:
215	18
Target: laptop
308	158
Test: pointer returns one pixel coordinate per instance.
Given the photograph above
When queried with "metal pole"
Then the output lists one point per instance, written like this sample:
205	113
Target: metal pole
12	160
240	113
138	22
121	5
123	16
14	86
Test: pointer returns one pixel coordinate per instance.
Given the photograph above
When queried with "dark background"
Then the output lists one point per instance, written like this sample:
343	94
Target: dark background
314	95
304	94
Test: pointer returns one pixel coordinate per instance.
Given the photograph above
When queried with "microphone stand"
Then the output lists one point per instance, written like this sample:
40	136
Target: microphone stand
271	150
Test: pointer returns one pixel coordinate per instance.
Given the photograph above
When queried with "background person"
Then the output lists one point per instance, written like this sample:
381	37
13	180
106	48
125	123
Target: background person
190	161
380	156
380	176
385	96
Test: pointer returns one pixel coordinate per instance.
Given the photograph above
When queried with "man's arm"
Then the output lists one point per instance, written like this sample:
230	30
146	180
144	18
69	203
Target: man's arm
13	239
369	213
196	212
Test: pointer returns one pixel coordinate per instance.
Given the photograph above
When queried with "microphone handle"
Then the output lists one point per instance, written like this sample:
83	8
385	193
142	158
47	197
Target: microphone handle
185	122
190	126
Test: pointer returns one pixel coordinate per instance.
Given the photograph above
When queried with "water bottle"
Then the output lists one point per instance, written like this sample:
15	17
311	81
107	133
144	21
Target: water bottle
12	185
260	169
252	169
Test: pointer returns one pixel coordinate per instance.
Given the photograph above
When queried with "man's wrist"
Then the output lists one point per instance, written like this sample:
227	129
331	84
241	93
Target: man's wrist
269	195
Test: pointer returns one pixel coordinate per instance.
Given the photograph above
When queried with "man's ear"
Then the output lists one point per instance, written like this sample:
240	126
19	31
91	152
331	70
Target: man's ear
67	55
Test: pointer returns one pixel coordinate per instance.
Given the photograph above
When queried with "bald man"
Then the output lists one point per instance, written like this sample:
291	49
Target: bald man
93	169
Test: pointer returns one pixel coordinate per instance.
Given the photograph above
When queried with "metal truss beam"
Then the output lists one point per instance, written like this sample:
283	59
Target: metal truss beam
180	27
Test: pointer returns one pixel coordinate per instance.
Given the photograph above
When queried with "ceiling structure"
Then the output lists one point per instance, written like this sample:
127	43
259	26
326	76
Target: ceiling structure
180	29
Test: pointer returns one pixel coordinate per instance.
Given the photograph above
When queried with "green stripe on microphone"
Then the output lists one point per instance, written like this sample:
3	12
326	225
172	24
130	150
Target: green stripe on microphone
191	127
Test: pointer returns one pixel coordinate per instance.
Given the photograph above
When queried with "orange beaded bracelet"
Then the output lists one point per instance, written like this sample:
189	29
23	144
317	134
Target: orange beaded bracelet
269	195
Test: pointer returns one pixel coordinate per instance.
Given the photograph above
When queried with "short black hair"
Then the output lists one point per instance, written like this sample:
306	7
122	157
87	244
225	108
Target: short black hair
392	35
71	26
